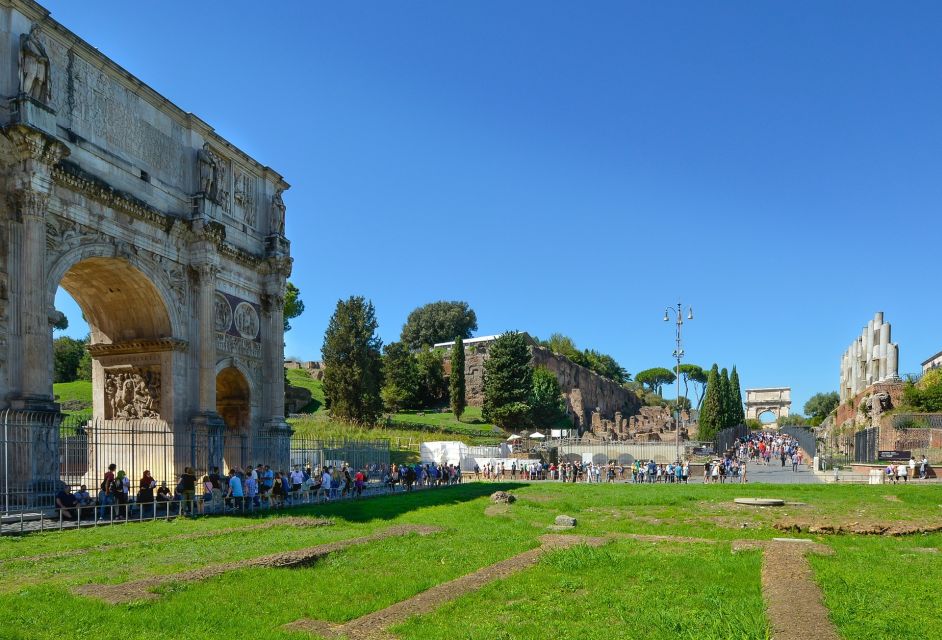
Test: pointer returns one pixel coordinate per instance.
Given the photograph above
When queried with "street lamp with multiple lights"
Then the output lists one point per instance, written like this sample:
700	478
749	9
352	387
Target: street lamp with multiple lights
678	355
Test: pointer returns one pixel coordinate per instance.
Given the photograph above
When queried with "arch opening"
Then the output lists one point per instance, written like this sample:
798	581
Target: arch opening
233	404
118	301
768	416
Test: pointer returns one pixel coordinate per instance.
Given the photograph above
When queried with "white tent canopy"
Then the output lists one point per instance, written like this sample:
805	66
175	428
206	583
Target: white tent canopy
537	434
514	437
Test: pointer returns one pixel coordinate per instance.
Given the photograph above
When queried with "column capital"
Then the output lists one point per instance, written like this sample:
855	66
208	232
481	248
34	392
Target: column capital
28	202
206	272
31	144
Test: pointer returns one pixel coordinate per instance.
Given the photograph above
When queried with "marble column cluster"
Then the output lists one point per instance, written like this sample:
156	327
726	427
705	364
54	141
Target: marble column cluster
31	313
870	359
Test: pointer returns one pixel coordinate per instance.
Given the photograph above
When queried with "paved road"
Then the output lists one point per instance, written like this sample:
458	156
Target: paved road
775	473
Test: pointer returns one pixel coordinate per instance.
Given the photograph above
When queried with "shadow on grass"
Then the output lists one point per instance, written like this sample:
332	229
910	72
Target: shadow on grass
392	506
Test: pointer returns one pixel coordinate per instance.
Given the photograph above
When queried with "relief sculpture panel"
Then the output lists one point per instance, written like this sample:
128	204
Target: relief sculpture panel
132	392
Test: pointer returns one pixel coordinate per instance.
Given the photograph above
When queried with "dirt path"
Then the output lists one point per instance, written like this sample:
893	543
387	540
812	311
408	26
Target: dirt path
143	589
374	626
276	522
793	602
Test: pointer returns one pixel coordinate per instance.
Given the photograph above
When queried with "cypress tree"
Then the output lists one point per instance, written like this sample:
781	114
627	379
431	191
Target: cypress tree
456	384
711	409
353	362
736	409
725	399
508	382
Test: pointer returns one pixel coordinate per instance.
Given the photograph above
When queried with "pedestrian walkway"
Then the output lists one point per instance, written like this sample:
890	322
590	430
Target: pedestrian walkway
775	473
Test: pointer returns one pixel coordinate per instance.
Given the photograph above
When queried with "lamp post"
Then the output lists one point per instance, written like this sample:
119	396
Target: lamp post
678	355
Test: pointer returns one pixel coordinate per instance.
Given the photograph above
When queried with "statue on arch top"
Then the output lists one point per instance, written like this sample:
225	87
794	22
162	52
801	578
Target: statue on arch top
34	67
277	222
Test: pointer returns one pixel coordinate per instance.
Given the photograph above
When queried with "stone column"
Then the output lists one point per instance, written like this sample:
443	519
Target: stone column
31	313
207	337
208	425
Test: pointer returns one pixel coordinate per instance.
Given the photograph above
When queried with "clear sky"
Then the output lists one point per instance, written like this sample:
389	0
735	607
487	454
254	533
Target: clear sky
577	167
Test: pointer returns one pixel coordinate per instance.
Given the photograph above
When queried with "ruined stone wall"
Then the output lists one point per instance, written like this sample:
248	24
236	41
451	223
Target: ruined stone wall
586	392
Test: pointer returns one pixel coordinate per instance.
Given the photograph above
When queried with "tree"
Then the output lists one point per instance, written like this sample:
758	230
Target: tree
438	322
792	420
601	363
692	373
401	381
606	366
456	388
821	404
66	355
655	378
432	387
711	413
564	346
84	370
353	364
294	306
726	399
737	414
61	323
547	404
508	382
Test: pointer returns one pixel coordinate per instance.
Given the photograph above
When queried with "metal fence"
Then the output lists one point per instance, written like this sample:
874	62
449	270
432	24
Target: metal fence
805	437
39	452
727	438
865	444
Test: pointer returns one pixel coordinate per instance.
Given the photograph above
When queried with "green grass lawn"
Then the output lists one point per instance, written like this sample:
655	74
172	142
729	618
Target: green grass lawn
875	587
301	378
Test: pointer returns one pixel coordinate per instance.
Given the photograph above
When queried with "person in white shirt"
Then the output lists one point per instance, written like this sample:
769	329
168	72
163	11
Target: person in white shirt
326	480
297	479
912	466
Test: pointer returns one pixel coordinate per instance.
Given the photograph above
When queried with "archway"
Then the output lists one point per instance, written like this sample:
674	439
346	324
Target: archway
130	338
768	416
233	403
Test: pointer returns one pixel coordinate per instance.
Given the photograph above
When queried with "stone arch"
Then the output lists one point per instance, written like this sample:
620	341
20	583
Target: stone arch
776	400
234	404
103	258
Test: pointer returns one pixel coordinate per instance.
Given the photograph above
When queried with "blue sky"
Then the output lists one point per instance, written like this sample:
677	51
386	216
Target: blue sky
578	167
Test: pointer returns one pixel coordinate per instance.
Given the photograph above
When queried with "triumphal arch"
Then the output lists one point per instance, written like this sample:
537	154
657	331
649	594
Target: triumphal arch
170	239
774	400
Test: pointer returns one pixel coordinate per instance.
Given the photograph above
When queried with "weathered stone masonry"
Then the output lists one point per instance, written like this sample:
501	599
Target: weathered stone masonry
169	238
591	400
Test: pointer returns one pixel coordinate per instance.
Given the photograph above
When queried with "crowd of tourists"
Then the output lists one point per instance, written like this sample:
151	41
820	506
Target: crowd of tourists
251	488
407	477
589	472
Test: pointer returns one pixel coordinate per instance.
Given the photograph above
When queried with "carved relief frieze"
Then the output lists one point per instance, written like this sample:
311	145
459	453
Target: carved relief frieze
237	345
132	392
244	194
237	317
222	312
63	235
245	318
